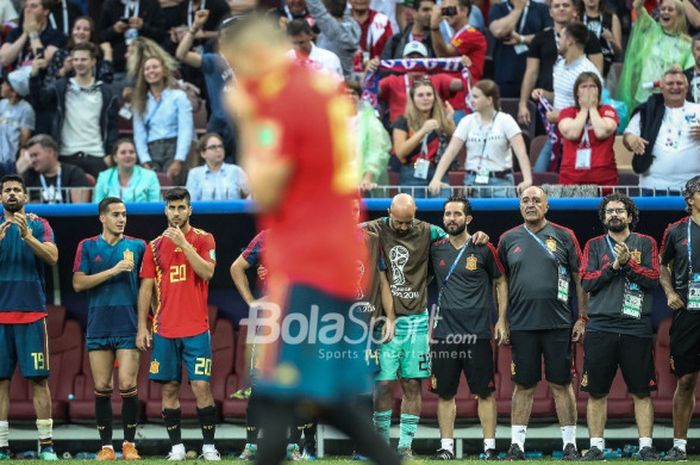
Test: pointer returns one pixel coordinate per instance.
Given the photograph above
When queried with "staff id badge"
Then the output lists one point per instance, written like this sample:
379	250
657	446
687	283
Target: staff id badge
632	301
563	285
583	159
694	292
482	176
421	168
521	48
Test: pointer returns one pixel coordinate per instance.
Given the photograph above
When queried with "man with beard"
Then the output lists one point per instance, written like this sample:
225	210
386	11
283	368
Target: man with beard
26	244
107	266
465	275
179	264
541	260
620	270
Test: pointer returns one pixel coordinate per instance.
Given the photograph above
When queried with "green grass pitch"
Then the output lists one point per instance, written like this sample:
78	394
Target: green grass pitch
326	461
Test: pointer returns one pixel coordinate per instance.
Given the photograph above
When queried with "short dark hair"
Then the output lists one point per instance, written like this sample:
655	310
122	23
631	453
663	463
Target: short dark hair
177	193
336	7
13	178
629	204
465	4
104	204
85	47
298	26
466	206
578	32
585	76
45	141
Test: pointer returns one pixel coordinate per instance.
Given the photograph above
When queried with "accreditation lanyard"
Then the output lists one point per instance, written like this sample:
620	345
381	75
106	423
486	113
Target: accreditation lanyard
66	23
562	272
693	278
633	296
486	133
51	194
190	8
131	8
523	16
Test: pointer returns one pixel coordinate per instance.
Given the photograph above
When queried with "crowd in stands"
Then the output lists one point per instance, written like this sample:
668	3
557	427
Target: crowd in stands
125	97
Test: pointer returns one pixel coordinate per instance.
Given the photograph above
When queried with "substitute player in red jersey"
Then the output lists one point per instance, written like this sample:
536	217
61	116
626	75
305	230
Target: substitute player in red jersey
178	265
302	179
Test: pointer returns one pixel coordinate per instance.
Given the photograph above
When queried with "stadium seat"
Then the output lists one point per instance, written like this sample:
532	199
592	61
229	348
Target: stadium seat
510	106
536	145
165	180
234	409
456	178
623	156
665	379
543	404
200	119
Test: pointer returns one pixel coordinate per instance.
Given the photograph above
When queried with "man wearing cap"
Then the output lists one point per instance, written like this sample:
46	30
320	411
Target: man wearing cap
419	31
16	120
394	89
679	275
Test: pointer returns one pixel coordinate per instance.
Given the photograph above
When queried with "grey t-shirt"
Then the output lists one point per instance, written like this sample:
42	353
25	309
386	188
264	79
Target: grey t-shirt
13	118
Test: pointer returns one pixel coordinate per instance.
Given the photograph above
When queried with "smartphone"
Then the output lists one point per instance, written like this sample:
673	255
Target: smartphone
39	52
449	10
125	19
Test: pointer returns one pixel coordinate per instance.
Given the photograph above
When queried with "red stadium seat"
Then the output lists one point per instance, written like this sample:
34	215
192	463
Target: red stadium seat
543	405
456	178
666	380
234	409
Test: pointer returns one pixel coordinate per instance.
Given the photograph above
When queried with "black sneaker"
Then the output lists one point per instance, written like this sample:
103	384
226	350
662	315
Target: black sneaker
593	454
648	454
515	453
676	455
491	454
570	453
443	454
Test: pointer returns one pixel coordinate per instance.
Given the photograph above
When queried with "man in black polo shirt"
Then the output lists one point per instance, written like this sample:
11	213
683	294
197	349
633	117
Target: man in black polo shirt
465	274
620	270
679	255
541	261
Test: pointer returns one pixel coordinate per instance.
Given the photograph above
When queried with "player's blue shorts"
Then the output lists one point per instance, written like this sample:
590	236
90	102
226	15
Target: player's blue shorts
168	355
26	344
323	360
110	343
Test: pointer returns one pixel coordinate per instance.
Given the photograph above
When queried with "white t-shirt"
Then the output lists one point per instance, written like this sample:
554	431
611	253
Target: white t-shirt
676	154
488	147
81	131
388	7
564	78
321	60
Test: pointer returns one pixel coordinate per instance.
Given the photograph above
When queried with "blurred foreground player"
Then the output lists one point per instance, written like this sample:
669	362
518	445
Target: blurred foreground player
27	243
179	265
301	177
107	266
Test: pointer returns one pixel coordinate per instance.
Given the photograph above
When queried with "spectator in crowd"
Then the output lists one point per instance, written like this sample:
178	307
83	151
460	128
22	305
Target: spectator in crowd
305	52
375	30
163	124
34	37
544	53
216	180
653	48
588	129
693	73
372	144
466	41
490	137
83	31
294	9
8	13
418	30
394	10
84	111
124	20
217	77
605	25
514	25
394	89
664	134
186	12
420	136
572	42
127	180
62	14
16	121
340	33
48	180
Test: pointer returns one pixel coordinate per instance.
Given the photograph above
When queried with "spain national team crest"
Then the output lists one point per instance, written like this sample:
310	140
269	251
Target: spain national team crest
584	379
636	255
551	244
129	256
472	262
155	367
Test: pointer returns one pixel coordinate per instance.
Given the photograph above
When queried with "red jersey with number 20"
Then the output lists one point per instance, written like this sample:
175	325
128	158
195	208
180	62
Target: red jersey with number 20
180	294
303	117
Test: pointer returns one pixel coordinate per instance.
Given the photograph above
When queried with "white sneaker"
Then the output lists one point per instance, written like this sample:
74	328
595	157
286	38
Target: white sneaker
177	453
210	453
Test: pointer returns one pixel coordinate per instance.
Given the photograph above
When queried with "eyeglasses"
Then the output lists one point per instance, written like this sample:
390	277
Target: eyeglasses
617	211
214	147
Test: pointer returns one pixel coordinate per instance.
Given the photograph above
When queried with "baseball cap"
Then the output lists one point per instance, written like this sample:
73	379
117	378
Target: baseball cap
415	47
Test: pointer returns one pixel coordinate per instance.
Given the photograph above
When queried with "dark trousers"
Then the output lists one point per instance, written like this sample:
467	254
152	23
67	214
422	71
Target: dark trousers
91	164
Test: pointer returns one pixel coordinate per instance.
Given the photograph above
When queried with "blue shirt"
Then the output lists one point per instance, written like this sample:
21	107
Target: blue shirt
217	75
143	186
22	272
230	182
112	304
168	118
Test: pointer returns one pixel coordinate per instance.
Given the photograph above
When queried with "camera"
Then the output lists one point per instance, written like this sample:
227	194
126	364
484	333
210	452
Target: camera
449	10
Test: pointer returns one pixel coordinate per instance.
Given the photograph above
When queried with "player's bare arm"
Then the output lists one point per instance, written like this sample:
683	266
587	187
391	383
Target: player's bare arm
582	297
388	306
240	279
203	268
83	282
674	301
143	335
501	330
46	251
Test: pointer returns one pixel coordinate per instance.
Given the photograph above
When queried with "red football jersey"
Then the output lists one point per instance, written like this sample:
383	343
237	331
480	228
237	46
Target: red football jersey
181	295
472	43
303	117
